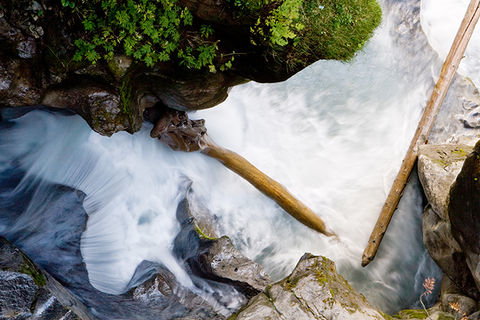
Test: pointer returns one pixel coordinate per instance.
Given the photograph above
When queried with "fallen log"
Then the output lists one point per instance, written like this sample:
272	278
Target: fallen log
180	133
425	125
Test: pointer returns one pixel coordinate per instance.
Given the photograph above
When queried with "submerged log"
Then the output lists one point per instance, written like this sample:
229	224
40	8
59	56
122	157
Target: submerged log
425	125
180	133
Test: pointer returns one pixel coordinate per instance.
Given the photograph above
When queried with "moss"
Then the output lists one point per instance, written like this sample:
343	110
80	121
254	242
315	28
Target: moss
31	270
335	29
202	234
411	314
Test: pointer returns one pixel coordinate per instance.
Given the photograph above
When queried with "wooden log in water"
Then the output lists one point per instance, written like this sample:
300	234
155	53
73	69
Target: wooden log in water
425	125
267	186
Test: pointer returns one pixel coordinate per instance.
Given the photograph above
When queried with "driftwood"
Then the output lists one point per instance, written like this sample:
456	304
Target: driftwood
180	133
425	125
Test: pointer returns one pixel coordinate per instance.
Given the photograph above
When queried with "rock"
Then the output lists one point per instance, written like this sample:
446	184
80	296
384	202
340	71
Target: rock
162	287
19	85
119	65
17	293
438	166
313	290
458	304
214	258
23	294
464	211
100	105
452	297
446	252
221	261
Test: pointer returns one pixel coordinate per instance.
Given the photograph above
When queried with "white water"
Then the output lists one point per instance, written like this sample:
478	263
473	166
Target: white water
334	135
440	21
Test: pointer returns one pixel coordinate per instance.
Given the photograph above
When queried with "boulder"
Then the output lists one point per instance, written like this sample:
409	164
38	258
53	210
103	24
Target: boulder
23	294
314	290
438	166
161	288
446	252
464	211
211	257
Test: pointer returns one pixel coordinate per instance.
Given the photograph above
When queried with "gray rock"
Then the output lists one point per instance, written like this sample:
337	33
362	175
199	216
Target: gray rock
22	291
446	252
17	293
438	166
314	290
211	257
161	288
458	304
221	261
100	105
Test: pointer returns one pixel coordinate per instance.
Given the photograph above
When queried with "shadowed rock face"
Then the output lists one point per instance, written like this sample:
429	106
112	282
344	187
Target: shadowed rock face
464	211
438	167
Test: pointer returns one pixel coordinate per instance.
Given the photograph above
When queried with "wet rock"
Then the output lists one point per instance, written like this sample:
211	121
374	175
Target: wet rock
446	252
17	293
473	119
161	287
314	290
458	304
221	261
464	211
214	258
100	105
194	91
23	294
19	85
438	166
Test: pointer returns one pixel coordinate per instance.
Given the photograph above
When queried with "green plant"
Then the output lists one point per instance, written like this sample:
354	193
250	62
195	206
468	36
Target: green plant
150	31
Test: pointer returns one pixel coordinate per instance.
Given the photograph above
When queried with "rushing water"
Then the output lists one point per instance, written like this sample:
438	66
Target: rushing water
334	135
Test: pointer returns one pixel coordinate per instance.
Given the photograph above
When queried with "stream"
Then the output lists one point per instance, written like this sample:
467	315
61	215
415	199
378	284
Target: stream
334	135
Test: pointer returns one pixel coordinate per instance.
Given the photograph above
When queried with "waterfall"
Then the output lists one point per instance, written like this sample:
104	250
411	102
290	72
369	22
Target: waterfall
334	135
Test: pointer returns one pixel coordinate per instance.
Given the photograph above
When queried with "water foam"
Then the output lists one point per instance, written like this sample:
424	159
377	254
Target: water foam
334	134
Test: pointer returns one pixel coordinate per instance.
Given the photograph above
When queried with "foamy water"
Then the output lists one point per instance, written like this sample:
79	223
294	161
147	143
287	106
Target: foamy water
334	135
440	21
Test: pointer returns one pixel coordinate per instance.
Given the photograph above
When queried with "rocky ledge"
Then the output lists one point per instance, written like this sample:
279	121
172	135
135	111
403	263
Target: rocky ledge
449	175
39	40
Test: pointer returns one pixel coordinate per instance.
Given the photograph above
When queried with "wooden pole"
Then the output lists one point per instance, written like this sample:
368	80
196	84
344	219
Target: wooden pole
425	125
266	185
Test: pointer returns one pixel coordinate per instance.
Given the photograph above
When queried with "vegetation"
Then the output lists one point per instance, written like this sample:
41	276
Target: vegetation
150	31
153	31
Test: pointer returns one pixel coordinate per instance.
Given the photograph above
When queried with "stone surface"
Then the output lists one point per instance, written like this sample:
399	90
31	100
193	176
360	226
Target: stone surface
98	104
17	293
211	257
221	261
438	166
23	294
313	290
464	211
446	252
161	287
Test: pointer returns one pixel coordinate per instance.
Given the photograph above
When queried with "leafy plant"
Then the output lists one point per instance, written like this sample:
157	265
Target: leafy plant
150	31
